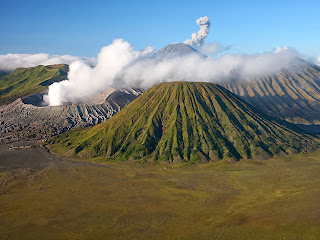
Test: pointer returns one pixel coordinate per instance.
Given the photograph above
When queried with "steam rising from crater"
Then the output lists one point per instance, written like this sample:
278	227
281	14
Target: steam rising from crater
84	81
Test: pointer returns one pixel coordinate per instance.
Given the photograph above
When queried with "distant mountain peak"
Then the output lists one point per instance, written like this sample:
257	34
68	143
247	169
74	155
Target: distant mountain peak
177	50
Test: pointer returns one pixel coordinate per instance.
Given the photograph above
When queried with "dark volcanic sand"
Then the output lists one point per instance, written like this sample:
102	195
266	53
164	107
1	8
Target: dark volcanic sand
13	157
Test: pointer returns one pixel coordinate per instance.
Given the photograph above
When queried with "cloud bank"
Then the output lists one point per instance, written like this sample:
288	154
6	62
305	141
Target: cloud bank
119	65
147	72
10	62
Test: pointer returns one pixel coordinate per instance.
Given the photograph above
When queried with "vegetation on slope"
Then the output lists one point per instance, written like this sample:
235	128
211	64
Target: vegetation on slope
27	81
185	122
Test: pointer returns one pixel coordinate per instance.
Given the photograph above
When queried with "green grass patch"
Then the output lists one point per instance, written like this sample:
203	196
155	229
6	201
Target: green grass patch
28	81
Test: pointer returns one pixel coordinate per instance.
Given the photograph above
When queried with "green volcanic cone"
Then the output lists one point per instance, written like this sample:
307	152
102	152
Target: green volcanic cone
186	122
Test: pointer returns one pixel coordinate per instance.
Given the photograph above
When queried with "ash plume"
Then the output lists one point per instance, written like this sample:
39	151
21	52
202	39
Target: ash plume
197	39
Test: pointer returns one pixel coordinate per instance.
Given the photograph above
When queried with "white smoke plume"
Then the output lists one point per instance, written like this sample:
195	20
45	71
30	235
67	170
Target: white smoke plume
10	62
120	66
197	39
318	61
84	81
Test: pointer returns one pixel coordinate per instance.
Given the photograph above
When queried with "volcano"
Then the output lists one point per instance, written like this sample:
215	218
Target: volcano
186	122
177	50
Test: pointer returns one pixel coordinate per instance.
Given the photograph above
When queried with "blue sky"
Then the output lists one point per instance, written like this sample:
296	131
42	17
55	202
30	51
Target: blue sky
81	28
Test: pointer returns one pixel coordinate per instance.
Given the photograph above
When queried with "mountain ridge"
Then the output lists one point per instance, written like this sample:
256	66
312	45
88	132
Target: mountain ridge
292	94
24	82
185	122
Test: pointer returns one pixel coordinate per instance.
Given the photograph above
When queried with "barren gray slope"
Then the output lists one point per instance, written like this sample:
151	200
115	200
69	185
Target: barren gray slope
19	120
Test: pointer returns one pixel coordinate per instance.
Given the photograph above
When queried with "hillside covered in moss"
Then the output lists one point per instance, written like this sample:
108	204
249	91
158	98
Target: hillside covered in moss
185	122
27	81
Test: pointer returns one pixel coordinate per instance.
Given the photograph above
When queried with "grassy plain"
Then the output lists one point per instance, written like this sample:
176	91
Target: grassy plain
273	199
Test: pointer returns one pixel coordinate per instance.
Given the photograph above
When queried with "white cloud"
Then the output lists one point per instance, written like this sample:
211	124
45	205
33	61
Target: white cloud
11	61
318	61
213	48
119	65
280	49
147	72
84	81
